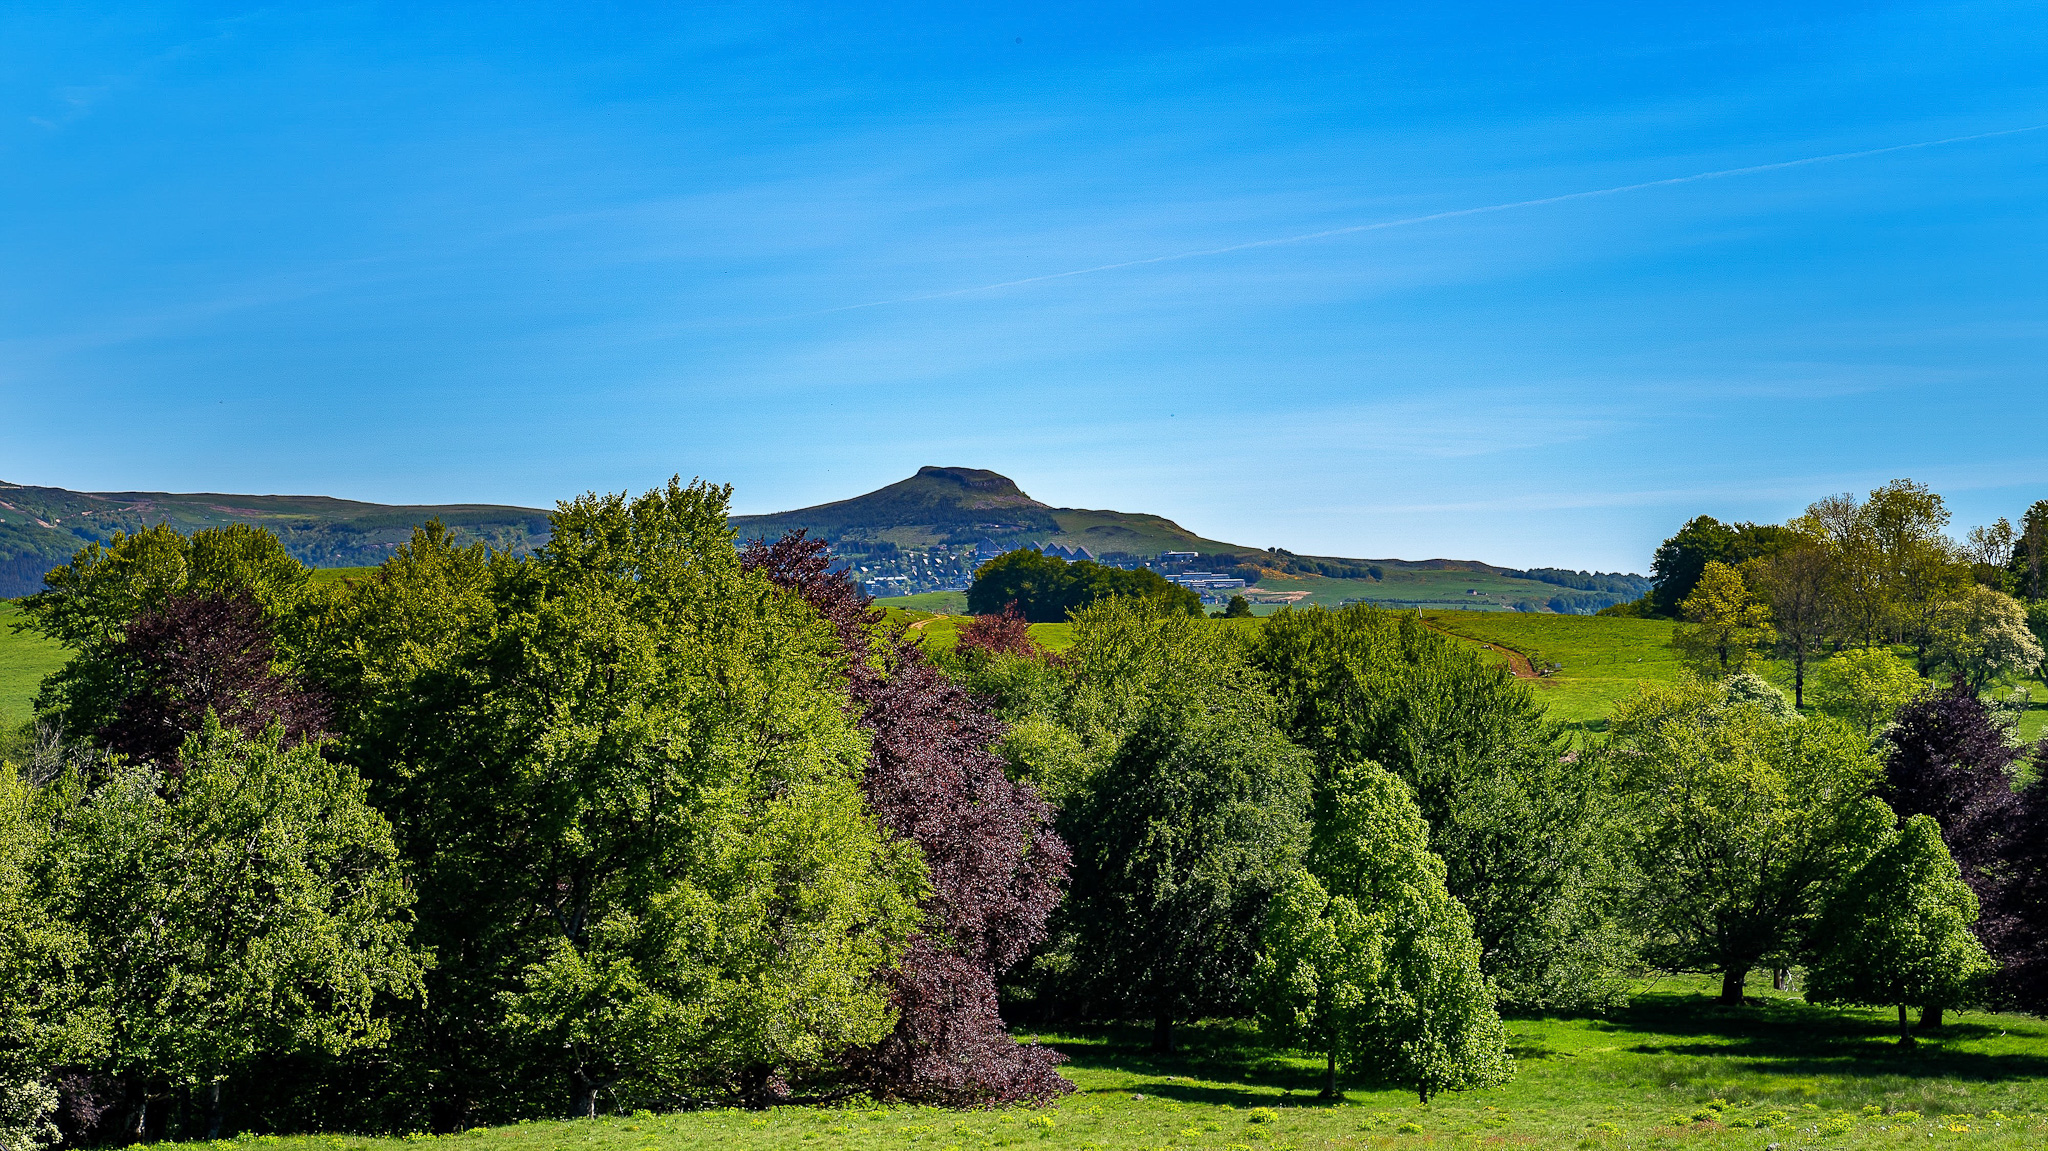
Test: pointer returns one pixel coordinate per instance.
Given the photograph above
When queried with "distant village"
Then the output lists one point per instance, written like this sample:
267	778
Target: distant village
892	571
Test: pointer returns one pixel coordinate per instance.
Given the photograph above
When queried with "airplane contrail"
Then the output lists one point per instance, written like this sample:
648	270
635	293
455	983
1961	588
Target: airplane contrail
1381	225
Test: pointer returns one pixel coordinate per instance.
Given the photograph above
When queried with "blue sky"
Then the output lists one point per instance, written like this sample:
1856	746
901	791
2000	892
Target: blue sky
510	253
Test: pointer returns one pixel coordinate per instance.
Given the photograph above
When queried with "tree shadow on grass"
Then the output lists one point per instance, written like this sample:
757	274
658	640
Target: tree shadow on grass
1789	1038
1223	1059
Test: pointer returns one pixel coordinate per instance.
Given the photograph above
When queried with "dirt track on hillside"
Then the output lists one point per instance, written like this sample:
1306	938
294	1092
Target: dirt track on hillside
1517	662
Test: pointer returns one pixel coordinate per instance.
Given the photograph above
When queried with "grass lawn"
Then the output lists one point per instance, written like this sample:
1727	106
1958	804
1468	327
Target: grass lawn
1673	1069
937	602
1604	658
25	658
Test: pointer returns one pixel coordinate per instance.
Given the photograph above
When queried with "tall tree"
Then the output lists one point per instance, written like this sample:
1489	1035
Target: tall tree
996	864
1896	931
1522	823
1796	584
1742	820
1981	638
2030	551
1369	960
589	754
1724	623
252	913
1179	841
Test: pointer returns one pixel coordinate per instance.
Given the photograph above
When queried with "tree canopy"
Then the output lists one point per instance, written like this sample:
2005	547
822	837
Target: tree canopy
1047	588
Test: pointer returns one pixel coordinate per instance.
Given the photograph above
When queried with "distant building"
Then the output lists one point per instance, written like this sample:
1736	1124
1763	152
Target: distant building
1179	557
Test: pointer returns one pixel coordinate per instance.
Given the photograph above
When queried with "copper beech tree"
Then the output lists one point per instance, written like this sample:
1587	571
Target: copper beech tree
996	864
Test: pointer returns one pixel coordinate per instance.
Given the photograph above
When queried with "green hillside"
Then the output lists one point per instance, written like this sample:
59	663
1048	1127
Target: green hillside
926	534
42	527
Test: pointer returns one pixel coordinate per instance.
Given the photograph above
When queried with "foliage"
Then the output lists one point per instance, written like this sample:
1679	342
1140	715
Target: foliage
1179	840
89	604
1369	960
1047	589
1795	583
194	655
1521	824
994	861
1946	757
1725	623
1681	560
1897	931
1982	639
1865	687
1741	820
579	750
1894	565
1238	608
1005	633
250	912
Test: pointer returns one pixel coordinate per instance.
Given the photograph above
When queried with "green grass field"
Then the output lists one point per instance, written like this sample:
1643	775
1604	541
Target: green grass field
939	602
1604	658
1672	1069
25	658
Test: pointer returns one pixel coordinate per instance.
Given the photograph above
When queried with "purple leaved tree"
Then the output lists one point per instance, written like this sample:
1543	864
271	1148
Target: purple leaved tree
996	864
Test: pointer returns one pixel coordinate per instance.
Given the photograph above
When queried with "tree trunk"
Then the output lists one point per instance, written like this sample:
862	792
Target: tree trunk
213	1110
1930	1018
1905	1032
1162	1034
1731	986
1798	684
1778	975
1330	1074
583	1098
141	1128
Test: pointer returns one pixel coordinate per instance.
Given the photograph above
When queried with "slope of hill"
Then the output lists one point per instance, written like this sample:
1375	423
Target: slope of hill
41	527
927	533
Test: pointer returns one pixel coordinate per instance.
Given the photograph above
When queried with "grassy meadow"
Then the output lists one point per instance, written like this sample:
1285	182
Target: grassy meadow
1671	1069
25	658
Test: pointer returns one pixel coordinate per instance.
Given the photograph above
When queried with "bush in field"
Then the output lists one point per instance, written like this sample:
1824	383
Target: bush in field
1865	687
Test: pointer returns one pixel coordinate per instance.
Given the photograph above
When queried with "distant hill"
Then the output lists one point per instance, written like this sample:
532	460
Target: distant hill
925	533
40	528
930	529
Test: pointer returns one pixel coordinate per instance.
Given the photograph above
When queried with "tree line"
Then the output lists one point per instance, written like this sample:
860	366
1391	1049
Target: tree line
647	819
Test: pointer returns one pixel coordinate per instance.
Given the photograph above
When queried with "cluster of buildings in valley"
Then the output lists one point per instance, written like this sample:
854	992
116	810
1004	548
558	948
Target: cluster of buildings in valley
911	571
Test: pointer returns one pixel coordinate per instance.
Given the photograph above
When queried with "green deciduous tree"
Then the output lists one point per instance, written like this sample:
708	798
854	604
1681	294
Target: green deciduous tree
1522	823
1724	623
1046	588
251	911
1369	961
1865	687
88	604
1896	931
1196	819
1982	639
1741	821
587	754
1797	585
